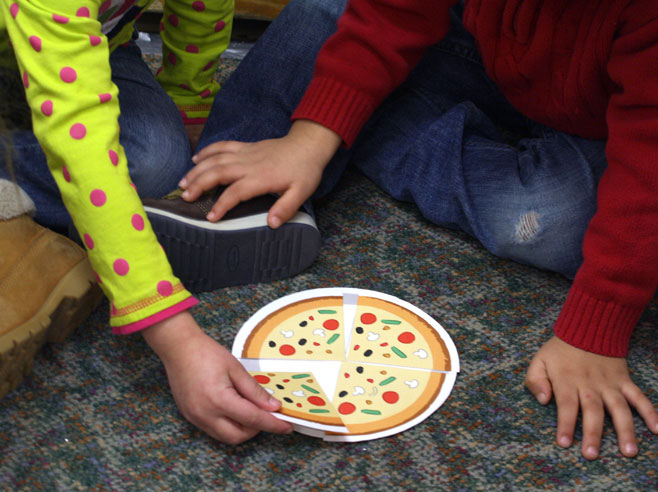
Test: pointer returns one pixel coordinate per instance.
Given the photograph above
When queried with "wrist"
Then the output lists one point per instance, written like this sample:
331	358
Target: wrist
323	141
170	334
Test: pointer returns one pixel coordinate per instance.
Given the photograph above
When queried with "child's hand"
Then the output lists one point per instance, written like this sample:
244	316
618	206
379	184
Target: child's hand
594	383
290	167
212	389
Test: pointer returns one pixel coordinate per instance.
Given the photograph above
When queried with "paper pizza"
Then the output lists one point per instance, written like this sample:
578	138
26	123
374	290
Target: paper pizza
349	364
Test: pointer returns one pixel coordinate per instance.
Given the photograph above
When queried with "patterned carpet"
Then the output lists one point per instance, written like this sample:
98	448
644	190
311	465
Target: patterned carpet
96	413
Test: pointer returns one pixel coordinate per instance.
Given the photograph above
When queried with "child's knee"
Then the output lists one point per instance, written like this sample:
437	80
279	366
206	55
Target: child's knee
158	158
545	239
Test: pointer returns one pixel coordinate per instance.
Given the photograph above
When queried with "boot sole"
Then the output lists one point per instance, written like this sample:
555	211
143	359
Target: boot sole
206	256
68	305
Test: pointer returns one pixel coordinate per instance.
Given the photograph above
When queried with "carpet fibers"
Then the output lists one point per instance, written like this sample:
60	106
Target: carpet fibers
96	413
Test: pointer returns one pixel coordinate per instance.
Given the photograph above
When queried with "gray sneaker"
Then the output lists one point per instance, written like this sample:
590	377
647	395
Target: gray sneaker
239	249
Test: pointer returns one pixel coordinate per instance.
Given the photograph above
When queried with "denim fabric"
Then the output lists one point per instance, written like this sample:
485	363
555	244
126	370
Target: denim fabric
447	140
152	135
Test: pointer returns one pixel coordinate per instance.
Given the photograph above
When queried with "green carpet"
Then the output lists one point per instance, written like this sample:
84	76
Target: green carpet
96	413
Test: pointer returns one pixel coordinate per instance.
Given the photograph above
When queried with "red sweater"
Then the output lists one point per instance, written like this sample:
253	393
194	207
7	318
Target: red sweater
585	67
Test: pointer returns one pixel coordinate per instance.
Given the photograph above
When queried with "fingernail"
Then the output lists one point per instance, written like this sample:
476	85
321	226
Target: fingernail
273	401
211	216
186	194
563	441
275	222
630	449
592	452
541	397
195	158
182	183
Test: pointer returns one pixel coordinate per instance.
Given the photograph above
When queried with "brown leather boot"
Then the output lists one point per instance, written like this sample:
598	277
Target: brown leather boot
47	288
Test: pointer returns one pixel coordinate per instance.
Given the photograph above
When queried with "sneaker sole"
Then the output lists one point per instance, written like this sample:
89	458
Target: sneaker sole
209	255
68	305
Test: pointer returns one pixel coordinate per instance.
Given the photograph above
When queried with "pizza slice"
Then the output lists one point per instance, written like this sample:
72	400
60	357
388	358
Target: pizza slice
386	333
312	329
372	398
300	395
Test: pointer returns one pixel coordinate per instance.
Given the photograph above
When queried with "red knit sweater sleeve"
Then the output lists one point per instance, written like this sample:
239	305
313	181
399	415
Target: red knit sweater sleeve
376	45
619	275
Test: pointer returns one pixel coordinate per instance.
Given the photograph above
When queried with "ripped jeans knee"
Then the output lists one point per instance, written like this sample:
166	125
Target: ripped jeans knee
548	239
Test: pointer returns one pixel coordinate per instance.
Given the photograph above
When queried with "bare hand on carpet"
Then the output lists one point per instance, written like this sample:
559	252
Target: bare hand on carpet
592	384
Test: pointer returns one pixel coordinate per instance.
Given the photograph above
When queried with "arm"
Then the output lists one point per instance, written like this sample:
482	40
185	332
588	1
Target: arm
64	61
376	46
584	366
75	119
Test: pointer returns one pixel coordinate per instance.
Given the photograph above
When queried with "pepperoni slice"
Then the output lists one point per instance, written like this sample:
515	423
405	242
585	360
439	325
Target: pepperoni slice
316	400
346	408
368	318
330	324
287	350
390	397
406	337
262	379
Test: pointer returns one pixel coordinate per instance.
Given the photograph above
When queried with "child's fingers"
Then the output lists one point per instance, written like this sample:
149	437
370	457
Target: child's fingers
217	148
536	380
207	162
239	191
249	388
622	419
643	405
285	208
244	412
217	168
566	399
210	178
228	431
593	416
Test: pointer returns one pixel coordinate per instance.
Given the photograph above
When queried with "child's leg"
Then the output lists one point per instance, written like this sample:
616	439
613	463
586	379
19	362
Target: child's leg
434	142
152	134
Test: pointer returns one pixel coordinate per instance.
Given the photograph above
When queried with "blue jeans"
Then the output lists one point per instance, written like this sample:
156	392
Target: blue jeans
152	134
446	139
